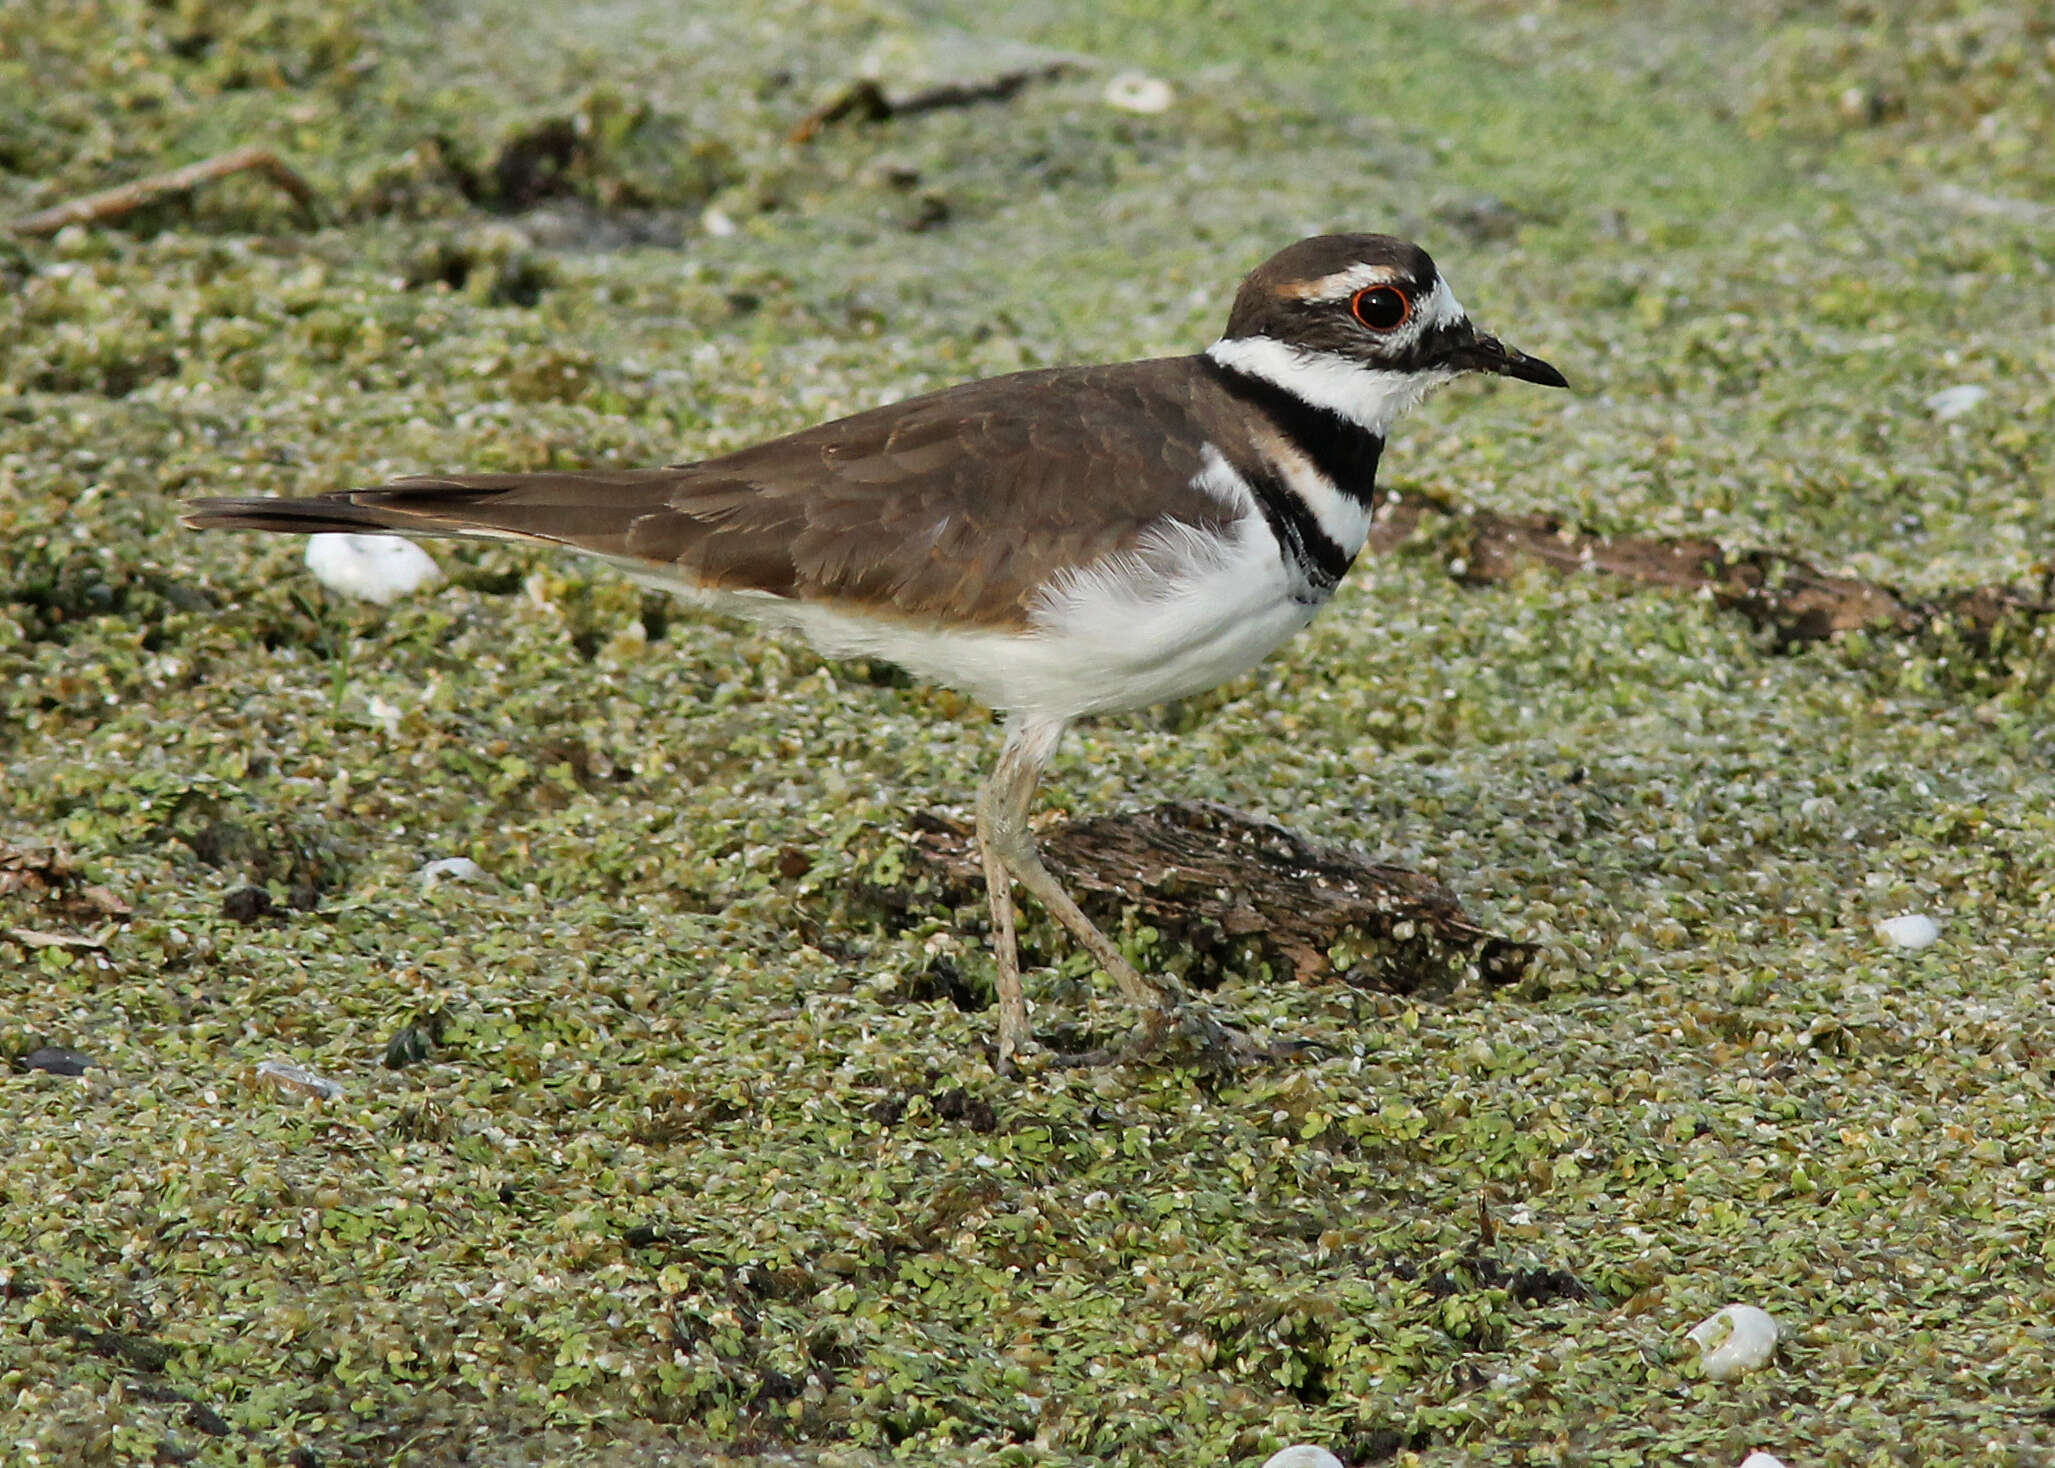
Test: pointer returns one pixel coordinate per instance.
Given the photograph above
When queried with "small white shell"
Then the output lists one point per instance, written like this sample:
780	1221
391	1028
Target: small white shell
1734	1339
1760	1459
1134	91
1302	1455
380	568
1913	931
1953	402
451	869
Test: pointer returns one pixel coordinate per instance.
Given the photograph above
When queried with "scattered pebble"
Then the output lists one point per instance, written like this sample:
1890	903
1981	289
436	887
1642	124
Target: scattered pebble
1760	1459
283	1075
1302	1455
718	222
1912	932
1734	1339
377	568
57	1060
452	869
410	1046
248	905
104	902
1953	402
1134	91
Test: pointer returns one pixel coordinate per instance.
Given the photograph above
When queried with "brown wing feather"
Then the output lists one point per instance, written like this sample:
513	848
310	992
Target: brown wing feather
959	505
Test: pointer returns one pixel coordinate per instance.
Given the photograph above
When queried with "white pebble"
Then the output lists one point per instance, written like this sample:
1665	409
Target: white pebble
1134	91
718	222
1953	402
1913	931
1302	1455
1760	1459
452	869
380	568
1734	1339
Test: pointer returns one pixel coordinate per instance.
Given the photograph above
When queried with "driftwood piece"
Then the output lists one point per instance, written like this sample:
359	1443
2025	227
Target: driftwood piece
870	100
75	942
127	199
1797	601
1218	883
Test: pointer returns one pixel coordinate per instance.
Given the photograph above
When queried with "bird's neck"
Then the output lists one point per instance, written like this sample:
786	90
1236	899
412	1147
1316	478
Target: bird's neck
1300	395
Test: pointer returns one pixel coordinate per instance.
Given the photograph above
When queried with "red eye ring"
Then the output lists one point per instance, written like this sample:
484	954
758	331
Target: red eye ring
1381	308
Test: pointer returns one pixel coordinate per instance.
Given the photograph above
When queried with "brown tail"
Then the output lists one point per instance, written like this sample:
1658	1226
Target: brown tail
317	516
590	511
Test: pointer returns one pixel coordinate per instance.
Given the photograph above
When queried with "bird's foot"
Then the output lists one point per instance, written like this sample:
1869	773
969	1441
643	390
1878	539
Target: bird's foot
1184	1030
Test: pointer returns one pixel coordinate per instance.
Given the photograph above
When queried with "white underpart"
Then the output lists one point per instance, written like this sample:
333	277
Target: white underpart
1184	610
1371	396
1187	610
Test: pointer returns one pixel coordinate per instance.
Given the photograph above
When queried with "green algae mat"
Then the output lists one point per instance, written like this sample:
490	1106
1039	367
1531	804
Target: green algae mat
648	1136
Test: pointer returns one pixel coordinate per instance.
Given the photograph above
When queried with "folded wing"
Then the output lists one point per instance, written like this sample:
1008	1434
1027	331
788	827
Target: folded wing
959	506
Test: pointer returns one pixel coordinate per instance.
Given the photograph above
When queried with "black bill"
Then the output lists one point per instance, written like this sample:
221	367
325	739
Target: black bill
1488	354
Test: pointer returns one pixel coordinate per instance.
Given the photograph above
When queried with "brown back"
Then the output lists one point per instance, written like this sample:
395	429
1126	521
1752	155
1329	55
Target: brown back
958	506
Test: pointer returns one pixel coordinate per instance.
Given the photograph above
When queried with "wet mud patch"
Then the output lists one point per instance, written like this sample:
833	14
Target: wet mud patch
1224	891
1792	599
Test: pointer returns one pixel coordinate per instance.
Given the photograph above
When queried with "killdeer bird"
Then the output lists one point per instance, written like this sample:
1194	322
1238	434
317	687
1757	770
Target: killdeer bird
1054	543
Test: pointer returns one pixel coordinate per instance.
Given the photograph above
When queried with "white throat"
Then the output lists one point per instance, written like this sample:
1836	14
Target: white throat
1372	397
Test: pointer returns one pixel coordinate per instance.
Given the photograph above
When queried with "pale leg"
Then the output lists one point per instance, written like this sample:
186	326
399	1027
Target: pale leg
1008	849
1014	1034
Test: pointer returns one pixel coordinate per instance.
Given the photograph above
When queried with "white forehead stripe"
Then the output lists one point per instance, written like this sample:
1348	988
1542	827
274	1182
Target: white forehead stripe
1440	307
1344	283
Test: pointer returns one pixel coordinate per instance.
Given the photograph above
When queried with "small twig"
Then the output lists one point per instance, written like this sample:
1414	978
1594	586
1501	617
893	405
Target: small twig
863	100
115	203
76	942
867	99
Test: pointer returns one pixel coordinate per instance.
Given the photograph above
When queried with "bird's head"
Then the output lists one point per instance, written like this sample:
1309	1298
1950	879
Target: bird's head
1363	325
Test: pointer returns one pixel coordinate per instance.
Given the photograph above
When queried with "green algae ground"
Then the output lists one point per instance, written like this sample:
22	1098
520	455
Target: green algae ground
689	1168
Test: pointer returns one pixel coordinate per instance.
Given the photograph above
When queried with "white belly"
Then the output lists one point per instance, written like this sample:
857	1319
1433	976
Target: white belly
1185	616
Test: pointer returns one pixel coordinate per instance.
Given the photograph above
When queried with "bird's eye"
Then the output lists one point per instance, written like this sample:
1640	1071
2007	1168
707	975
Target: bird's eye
1381	308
